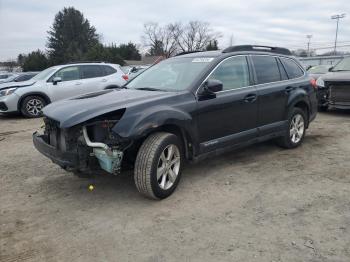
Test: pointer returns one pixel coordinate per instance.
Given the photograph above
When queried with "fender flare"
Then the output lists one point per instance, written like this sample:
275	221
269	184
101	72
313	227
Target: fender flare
299	97
135	124
20	100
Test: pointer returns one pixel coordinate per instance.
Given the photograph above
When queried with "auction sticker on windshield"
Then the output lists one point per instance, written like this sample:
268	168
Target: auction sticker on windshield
202	60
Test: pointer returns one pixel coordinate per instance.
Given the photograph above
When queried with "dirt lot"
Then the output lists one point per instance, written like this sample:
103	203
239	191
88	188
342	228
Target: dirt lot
259	204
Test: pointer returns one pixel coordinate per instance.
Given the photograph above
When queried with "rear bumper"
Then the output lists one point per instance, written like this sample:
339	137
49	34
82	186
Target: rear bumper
63	159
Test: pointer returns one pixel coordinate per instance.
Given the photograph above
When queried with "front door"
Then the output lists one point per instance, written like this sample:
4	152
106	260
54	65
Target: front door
231	116
70	86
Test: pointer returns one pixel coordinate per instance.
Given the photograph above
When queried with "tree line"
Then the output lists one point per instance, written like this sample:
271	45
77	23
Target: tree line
72	38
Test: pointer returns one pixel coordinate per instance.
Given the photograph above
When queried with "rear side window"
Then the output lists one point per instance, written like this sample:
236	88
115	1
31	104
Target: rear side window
233	73
283	73
90	71
266	69
108	70
293	70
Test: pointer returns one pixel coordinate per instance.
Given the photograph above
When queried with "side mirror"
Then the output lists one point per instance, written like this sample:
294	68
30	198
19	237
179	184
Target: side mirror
213	85
330	69
209	88
56	79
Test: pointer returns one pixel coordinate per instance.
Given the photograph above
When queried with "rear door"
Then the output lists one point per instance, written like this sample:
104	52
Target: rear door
92	77
230	117
273	90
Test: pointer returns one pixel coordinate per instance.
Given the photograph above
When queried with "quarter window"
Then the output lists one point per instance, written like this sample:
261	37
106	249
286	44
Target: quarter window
109	70
266	69
293	70
68	73
232	72
90	71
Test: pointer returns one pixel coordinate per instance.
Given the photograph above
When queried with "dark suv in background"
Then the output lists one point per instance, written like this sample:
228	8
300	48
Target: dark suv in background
334	87
190	107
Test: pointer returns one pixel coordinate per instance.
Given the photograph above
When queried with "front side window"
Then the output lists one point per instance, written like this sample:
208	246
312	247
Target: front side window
266	69
232	72
293	70
90	71
68	73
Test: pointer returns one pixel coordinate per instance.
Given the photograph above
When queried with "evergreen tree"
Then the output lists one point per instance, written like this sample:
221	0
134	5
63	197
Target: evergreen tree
213	45
34	61
70	37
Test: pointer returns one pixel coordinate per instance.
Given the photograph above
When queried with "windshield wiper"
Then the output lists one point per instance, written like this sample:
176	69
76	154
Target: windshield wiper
340	70
149	89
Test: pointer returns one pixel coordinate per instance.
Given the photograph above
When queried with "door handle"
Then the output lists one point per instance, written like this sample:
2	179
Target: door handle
250	98
78	83
289	89
104	80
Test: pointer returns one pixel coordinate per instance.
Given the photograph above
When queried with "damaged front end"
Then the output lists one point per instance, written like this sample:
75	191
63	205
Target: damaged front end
85	148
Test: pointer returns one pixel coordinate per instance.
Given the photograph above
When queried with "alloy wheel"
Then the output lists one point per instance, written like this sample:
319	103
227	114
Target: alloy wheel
34	107
297	128
168	167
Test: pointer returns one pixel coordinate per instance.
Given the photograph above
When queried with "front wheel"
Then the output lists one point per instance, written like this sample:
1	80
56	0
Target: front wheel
32	105
295	131
158	165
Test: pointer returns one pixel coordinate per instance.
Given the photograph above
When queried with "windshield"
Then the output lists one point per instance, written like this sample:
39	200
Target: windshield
343	65
175	74
318	70
44	74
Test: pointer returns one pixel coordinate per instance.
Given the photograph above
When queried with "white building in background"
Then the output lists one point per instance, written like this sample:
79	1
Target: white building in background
320	60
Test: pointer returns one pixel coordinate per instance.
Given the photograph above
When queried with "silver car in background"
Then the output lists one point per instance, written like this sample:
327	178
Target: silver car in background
56	83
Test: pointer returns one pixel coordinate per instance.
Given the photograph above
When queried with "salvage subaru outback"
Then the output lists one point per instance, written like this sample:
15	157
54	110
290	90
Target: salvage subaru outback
187	107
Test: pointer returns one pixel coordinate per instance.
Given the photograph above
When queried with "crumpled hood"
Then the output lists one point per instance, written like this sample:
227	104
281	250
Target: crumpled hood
16	84
76	110
337	76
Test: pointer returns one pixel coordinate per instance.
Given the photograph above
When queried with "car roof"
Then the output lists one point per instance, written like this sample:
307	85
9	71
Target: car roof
240	49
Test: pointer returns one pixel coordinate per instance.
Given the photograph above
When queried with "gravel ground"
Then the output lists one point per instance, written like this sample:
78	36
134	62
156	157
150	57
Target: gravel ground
261	203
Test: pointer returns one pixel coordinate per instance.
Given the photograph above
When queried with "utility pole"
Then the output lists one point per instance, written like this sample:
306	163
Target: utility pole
337	17
308	44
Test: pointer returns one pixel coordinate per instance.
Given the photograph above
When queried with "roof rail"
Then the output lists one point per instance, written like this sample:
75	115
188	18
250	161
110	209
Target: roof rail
188	52
83	62
261	48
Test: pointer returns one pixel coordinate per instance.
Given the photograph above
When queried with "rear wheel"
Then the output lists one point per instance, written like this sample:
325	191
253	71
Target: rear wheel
158	165
295	131
32	106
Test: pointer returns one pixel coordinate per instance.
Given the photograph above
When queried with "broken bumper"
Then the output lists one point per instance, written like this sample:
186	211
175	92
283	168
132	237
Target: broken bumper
63	159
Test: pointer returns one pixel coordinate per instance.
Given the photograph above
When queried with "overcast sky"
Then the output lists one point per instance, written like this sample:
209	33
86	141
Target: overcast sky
24	23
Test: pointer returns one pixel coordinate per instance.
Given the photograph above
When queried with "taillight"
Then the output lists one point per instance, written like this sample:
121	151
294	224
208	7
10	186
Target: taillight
125	77
313	83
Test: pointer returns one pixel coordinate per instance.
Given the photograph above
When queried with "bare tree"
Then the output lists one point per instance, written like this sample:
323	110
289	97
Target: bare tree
10	65
195	36
160	39
170	39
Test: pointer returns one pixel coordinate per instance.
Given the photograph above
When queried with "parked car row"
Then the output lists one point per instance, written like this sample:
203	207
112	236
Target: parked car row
16	77
56	83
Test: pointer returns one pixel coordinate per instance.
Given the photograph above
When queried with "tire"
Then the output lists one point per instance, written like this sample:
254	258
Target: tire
31	106
322	108
157	172
294	135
